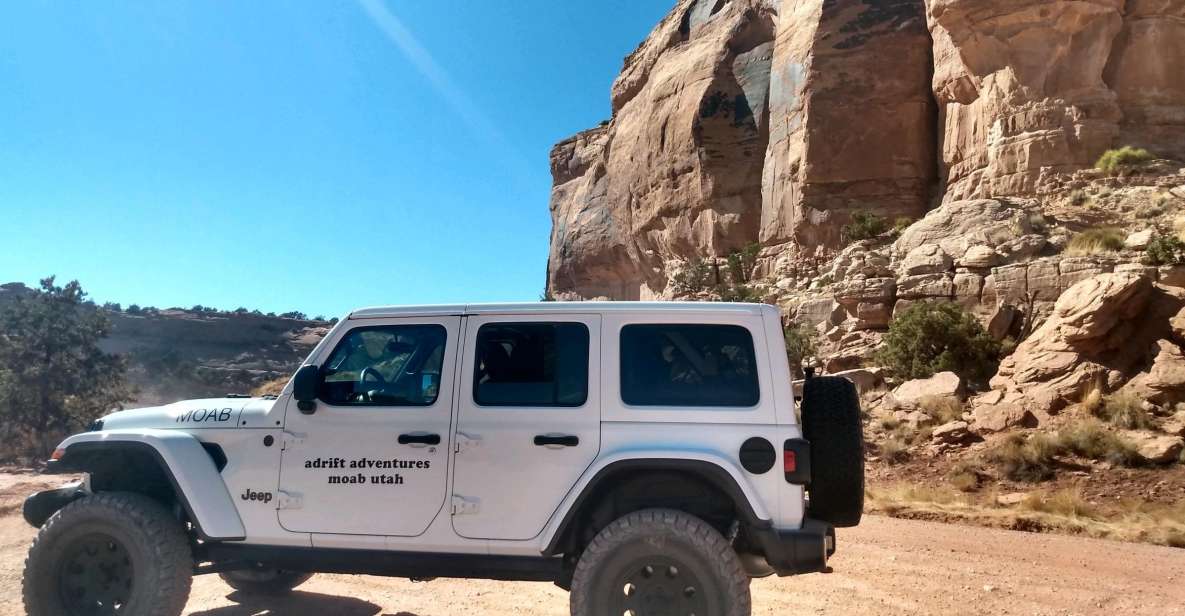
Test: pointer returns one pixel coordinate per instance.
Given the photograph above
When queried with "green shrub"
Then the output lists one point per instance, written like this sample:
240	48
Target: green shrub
932	337
1113	161
1078	197
1165	250
694	277
901	224
800	344
864	225
742	262
1095	241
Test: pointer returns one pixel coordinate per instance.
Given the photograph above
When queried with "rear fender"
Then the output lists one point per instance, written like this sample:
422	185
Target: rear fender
182	460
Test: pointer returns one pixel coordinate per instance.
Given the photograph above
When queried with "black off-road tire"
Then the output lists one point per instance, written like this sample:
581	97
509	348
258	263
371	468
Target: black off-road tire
114	548
681	551
265	581
831	422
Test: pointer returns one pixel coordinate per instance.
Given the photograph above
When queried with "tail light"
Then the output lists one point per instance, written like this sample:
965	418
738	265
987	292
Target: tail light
796	461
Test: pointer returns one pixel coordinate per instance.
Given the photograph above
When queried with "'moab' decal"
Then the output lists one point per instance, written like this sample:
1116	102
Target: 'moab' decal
205	415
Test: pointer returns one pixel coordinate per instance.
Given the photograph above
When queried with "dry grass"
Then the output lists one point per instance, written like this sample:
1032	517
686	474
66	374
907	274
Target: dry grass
894	450
1088	438
1095	242
1123	409
270	388
1022	459
1064	510
1066	502
941	409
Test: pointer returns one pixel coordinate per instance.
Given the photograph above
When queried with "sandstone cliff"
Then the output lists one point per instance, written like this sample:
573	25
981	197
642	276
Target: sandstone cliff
774	121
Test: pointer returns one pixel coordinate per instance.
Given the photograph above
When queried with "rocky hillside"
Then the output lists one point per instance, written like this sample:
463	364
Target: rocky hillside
849	159
774	122
175	354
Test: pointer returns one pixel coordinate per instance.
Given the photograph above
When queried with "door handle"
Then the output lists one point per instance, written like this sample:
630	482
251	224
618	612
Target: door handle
560	440
419	439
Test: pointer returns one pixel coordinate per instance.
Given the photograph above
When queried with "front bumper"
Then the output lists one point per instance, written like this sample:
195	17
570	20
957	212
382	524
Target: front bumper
40	506
800	550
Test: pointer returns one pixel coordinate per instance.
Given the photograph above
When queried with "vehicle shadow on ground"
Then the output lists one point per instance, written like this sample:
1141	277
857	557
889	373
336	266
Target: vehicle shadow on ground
296	604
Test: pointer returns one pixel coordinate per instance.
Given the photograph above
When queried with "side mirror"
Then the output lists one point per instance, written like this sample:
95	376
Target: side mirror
304	388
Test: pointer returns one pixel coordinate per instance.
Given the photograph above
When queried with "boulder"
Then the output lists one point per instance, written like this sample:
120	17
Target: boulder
1156	448
1164	381
1101	324
865	379
954	433
997	417
941	385
1174	425
979	257
925	286
926	259
1139	240
958	226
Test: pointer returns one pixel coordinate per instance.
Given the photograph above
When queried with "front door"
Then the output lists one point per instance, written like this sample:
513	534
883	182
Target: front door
528	420
372	458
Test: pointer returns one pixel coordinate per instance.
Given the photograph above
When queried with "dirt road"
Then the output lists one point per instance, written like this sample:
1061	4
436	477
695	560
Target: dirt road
885	566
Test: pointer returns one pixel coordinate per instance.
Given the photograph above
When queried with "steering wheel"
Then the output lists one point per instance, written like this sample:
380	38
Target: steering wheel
370	371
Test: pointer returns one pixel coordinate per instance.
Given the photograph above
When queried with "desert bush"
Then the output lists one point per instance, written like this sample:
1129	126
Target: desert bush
1165	250
1088	438
695	276
890	423
54	378
272	387
1022	459
932	337
1078	197
800	345
901	224
1125	410
941	409
1113	161
964	476
1095	241
863	226
1067	502
894	450
742	262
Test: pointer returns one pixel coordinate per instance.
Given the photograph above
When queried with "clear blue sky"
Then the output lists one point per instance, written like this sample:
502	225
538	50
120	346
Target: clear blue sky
310	156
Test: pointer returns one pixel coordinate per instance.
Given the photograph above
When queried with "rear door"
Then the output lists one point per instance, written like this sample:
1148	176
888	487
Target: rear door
528	420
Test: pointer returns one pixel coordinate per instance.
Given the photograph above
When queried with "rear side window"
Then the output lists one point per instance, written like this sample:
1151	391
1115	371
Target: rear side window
531	364
688	365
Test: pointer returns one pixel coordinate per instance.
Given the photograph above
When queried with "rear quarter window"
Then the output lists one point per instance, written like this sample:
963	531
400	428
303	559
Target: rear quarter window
688	365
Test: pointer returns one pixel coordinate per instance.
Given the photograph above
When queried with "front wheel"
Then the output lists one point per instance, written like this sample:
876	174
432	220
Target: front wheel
266	581
109	554
659	562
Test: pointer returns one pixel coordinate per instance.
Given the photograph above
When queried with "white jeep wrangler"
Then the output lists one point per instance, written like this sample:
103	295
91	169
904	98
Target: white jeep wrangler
645	456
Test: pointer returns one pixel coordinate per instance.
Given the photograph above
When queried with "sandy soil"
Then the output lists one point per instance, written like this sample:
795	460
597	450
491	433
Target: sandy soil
886	566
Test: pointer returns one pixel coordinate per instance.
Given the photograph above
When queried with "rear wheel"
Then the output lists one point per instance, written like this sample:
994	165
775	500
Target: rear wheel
265	581
109	554
659	562
831	422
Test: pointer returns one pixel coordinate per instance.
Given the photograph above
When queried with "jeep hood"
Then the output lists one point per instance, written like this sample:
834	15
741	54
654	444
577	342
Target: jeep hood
191	414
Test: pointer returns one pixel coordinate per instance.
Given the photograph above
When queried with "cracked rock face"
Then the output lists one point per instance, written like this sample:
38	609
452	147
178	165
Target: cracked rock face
774	121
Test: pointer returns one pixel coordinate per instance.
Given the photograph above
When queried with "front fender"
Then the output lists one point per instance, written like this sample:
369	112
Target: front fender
718	470
181	458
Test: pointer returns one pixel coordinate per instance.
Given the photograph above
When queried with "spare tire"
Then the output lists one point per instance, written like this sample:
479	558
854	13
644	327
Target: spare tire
831	423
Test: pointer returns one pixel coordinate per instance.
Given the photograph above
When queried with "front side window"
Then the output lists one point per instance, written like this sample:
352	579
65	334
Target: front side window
531	364
389	365
688	365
